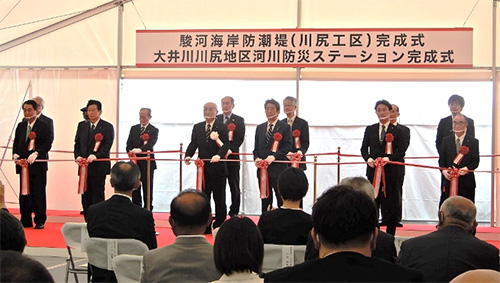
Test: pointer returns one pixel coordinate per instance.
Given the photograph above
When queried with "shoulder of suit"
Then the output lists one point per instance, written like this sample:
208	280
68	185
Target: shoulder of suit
300	119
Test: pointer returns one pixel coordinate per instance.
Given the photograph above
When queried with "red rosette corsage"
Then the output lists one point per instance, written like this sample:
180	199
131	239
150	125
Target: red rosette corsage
389	137
32	135
231	127
276	144
230	134
98	137
145	138
464	149
277	136
296	139
388	143
296	133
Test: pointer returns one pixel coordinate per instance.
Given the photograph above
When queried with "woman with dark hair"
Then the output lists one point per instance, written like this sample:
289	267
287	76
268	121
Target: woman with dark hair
289	224
238	251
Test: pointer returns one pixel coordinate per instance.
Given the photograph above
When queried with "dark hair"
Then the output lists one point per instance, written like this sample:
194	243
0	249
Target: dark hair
12	232
96	103
273	102
190	208
147	109
230	97
17	267
238	246
293	184
124	176
343	216
32	103
384	102
457	98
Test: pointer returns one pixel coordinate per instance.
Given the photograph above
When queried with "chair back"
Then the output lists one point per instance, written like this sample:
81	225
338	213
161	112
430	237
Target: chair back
75	234
398	240
101	251
279	256
127	268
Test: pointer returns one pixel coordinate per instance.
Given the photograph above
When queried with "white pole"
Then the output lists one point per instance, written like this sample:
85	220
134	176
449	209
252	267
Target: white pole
495	145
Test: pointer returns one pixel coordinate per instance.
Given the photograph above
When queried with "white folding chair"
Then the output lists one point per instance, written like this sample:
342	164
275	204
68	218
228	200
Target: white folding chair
279	256
101	251
75	234
127	268
398	240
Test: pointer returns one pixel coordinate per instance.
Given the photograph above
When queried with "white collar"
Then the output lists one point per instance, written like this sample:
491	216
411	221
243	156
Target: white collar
123	195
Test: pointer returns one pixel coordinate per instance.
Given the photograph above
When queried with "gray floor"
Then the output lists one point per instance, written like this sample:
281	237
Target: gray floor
55	261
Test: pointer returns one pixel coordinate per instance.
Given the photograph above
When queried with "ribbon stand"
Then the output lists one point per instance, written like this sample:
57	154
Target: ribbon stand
180	167
148	182
315	178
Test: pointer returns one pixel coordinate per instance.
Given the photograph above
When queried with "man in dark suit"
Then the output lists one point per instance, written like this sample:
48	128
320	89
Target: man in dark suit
143	137
236	138
345	231
41	116
375	145
93	140
32	141
400	170
452	249
269	149
450	148
211	140
118	217
445	126
298	126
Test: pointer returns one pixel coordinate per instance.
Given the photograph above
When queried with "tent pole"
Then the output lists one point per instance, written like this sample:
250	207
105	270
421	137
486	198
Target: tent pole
119	72
495	161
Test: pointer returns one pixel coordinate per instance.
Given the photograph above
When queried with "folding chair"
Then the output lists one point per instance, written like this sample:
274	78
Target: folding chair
398	240
75	234
279	256
128	268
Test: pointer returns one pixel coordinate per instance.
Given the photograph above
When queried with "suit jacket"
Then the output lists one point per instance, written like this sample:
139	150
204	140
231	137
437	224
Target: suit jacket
285	226
49	121
371	147
135	141
345	267
43	143
301	125
470	160
262	150
85	142
445	128
238	136
188	259
207	149
406	143
446	253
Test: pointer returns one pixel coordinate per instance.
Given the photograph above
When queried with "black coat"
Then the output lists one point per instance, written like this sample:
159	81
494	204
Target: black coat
238	136
445	128
43	143
301	125
85	142
262	150
135	141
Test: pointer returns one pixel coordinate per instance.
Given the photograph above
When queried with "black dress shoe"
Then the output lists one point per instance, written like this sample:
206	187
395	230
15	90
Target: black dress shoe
28	225
383	223
82	212
399	224
39	226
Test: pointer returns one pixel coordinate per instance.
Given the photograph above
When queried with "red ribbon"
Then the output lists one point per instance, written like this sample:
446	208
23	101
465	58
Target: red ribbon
25	177
296	138
454	175
145	138
296	157
379	175
389	138
264	178
98	138
132	156
231	127
200	174
32	137
82	178
277	138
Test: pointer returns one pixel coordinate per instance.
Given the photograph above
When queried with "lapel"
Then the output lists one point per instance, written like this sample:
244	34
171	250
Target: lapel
24	127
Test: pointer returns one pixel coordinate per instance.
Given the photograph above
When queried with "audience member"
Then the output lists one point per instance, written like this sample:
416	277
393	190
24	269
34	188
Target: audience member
345	232
191	257
118	217
478	276
288	225
238	251
452	249
16	267
12	232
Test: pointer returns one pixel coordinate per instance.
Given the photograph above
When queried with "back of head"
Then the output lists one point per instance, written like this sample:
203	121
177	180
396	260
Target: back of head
190	210
12	233
458	211
293	184
478	276
361	184
125	176
238	247
344	218
15	267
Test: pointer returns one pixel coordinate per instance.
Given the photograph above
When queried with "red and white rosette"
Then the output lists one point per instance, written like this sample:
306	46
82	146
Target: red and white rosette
82	177
277	137
454	175
215	137
200	174
296	139
132	156
231	127
464	150
145	139
379	175
263	178
25	177
296	157
389	138
98	138
32	137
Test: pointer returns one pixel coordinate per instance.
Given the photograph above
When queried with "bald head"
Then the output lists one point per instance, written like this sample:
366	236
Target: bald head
359	184
210	111
189	213
458	211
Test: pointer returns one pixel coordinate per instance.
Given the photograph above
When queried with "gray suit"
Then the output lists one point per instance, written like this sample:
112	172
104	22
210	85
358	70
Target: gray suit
188	259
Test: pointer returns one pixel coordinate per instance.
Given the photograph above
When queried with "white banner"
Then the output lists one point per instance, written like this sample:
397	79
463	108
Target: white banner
353	48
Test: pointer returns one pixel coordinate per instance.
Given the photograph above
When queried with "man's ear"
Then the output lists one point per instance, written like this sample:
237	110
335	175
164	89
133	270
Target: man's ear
137	185
373	243
440	218
315	238
171	221
111	182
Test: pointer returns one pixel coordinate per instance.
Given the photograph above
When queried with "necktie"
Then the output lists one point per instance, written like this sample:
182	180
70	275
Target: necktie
290	122
207	132
226	120
92	128
269	132
143	128
458	145
27	133
382	134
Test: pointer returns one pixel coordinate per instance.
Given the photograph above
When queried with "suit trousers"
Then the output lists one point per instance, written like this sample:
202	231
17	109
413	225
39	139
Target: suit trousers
234	185
217	184
389	204
95	191
35	202
273	186
139	196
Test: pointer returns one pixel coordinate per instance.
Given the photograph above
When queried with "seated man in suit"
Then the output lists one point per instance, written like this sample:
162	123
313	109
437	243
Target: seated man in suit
345	231
289	224
118	217
453	248
191	257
